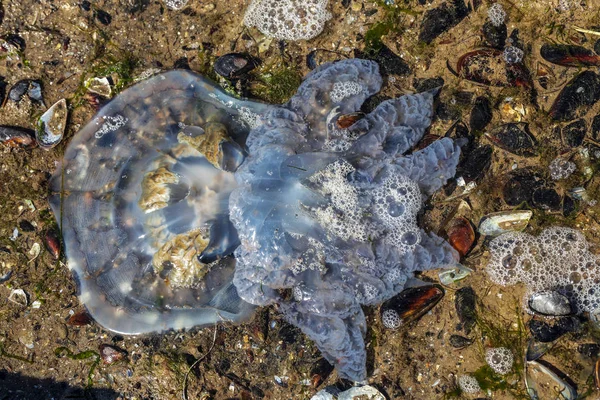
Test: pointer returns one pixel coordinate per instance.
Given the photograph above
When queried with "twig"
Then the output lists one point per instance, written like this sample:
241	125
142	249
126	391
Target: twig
184	391
582	30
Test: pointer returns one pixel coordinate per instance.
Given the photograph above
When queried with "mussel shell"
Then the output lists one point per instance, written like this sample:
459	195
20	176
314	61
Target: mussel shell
550	303
514	138
234	65
581	92
439	20
461	235
345	121
546	199
13	136
51	125
536	350
574	133
569	206
494	35
412	303
596	127
464	303
545	332
543	382
485	66
520	186
475	163
569	55
319	56
459	342
481	114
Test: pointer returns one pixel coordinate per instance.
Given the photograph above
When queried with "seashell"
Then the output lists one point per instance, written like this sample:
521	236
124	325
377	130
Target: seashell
574	133
100	86
520	186
18	90
441	19
485	66
464	302
597	374
13	43
550	303
3	86
18	296
569	55
111	354
546	332
51	125
80	318
495	35
591	350
580	93
234	65
52	243
481	114
569	206
423	85
460	342
34	92
546	199
542	383
497	223
409	305
475	163
461	235
345	121
320	371
536	349
13	136
514	138
454	275
320	56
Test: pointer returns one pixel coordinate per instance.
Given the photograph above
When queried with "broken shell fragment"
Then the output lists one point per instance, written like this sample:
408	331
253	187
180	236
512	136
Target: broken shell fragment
536	349
454	275
514	138
409	305
460	342
100	86
461	235
504	221
13	136
543	383
80	318
235	65
550	303
18	296
111	354
51	125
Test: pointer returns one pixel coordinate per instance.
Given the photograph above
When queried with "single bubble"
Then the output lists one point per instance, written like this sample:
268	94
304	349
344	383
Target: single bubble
402	191
509	262
575	277
409	238
517	251
527	265
395	209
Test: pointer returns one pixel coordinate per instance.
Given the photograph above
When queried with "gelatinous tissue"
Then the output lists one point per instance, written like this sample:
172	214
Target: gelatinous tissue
201	206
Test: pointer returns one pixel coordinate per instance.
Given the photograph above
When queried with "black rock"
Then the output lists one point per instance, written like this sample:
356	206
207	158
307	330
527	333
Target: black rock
581	92
103	17
546	199
574	133
546	332
423	85
465	308
182	63
234	65
26	226
514	138
520	186
495	36
441	19
481	114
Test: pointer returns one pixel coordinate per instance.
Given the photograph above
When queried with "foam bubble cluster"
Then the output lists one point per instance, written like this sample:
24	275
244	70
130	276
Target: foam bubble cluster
496	14
557	260
288	19
468	384
500	359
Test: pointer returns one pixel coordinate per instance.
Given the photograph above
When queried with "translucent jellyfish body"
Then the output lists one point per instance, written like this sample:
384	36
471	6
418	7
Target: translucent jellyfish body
181	206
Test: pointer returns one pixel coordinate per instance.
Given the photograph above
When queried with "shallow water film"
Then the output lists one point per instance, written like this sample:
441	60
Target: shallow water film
196	204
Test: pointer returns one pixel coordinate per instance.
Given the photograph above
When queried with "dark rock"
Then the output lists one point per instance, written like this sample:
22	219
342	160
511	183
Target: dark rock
441	19
514	138
26	226
574	133
495	36
389	62
546	199
137	6
475	163
103	17
520	186
464	303
546	332
481	114
580	93
234	65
